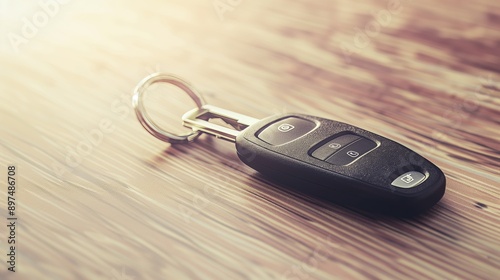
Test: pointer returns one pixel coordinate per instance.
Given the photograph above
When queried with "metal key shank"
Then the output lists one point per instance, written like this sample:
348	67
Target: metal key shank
198	120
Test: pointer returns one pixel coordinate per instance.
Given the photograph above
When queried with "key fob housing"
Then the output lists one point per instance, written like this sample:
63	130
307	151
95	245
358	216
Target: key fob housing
341	163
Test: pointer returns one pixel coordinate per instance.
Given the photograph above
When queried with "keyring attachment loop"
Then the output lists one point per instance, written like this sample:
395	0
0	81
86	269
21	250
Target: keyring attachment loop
144	118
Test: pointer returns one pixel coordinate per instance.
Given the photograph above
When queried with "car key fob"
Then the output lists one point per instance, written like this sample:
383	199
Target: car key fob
323	158
341	163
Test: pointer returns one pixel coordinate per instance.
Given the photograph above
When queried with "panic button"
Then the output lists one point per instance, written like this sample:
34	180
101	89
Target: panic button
352	152
286	130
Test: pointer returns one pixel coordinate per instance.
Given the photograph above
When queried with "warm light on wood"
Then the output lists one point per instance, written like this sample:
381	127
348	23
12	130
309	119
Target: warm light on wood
97	197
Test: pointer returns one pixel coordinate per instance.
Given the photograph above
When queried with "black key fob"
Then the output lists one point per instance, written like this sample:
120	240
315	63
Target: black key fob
341	163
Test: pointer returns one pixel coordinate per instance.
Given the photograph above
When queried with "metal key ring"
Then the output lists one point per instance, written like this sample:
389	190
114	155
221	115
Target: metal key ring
145	119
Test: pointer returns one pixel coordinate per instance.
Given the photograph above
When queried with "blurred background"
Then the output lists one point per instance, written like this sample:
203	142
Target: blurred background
424	73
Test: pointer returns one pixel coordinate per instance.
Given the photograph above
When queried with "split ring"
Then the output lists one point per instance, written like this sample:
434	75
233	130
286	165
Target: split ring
145	119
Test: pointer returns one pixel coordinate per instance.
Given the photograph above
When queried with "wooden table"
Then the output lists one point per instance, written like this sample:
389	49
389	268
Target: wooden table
97	197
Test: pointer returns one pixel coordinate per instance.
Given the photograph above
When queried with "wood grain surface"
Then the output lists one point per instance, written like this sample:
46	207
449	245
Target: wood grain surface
99	198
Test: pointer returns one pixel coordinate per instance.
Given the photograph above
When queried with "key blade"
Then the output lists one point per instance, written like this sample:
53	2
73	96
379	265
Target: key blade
198	119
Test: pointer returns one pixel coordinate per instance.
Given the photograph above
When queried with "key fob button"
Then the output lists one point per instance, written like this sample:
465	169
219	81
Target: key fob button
352	152
286	130
330	147
409	180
